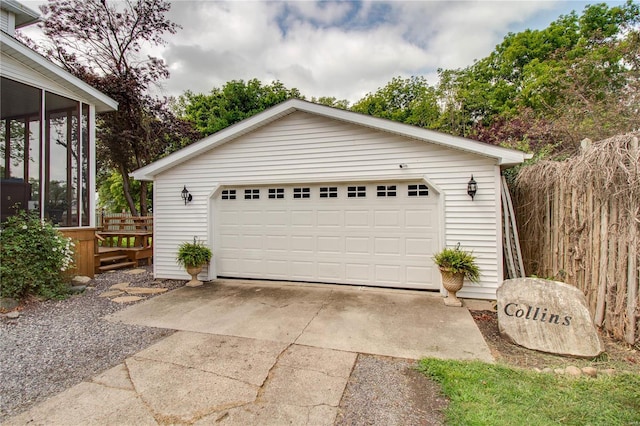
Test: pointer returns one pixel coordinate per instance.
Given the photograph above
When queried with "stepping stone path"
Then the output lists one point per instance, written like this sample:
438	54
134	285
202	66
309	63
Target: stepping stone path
122	293
119	286
126	299
144	290
111	293
135	271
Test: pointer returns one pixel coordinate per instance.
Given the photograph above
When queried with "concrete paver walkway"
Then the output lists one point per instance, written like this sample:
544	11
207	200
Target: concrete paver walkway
252	352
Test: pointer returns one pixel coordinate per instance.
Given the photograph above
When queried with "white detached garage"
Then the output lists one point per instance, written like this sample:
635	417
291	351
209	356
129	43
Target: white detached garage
305	192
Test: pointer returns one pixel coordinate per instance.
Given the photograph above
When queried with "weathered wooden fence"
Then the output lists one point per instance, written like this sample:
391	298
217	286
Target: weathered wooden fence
579	223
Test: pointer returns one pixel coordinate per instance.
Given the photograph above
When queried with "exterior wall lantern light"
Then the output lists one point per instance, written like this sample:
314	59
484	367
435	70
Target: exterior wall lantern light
186	196
472	188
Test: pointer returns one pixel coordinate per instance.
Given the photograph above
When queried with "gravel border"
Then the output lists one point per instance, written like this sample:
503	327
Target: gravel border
390	391
54	345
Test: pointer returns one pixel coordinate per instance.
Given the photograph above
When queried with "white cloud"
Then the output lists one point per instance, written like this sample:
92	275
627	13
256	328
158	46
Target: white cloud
335	48
340	49
324	13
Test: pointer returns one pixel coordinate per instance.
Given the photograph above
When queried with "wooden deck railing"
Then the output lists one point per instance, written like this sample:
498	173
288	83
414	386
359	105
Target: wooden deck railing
127	231
128	235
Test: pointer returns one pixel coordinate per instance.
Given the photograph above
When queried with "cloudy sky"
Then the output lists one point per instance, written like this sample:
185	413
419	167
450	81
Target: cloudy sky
343	49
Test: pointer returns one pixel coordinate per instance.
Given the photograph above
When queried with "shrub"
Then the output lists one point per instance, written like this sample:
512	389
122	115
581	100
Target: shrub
34	258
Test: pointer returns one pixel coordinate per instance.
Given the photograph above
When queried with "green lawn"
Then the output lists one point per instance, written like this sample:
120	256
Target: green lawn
489	394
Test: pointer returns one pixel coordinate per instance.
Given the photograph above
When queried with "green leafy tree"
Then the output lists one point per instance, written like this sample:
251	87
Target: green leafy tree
231	103
331	101
111	194
576	78
409	100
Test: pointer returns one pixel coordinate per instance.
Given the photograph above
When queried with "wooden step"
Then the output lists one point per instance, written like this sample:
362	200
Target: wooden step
113	258
116	266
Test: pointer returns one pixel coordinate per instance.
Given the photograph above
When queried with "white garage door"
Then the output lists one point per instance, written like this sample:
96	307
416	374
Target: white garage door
380	234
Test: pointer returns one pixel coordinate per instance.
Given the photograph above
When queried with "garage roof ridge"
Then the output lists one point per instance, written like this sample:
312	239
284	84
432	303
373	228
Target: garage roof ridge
505	156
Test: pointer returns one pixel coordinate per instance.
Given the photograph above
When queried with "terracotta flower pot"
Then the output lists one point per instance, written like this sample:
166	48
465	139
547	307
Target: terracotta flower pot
452	283
194	271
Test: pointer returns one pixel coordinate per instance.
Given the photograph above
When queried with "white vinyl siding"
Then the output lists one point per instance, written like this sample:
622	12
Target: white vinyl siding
306	148
7	22
16	70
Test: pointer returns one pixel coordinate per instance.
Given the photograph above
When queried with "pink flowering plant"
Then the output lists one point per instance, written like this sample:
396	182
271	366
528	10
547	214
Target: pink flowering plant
35	258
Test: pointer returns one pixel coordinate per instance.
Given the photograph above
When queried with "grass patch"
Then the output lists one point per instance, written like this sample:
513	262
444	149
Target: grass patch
482	394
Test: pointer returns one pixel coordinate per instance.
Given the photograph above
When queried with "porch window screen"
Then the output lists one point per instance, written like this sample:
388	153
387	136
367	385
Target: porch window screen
53	157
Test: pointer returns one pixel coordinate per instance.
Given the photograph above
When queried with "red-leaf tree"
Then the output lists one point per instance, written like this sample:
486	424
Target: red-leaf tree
102	43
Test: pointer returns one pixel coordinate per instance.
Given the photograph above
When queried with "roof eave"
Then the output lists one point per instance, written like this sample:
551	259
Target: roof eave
504	156
24	16
12	47
149	171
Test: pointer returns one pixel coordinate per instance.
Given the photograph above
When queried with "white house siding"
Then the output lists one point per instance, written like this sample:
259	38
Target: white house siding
309	148
15	70
6	22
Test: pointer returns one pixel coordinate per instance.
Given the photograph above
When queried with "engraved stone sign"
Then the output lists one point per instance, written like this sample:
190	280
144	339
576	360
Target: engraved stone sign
547	316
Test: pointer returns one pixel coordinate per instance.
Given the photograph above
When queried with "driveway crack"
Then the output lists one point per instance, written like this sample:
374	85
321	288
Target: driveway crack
324	305
189	367
261	390
156	416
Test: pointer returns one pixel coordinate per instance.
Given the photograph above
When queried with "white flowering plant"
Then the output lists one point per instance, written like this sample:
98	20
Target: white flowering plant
35	258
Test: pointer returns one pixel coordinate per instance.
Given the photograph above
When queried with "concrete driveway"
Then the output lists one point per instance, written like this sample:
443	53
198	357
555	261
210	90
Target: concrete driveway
250	352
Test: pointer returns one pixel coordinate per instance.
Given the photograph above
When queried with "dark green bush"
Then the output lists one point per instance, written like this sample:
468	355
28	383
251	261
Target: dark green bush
34	258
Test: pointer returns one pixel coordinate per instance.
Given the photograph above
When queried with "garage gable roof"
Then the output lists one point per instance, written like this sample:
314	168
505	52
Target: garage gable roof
504	156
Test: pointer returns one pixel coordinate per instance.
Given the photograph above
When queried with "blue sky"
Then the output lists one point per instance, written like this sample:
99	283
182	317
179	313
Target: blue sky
337	48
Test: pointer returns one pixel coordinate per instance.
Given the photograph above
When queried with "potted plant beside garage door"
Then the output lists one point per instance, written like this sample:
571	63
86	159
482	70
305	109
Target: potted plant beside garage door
455	265
193	256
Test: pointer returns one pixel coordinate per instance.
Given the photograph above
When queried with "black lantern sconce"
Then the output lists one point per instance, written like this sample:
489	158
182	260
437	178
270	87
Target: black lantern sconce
186	196
472	188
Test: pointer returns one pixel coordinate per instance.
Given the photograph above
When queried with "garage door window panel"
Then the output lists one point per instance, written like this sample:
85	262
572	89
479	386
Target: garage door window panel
299	193
356	191
228	194
418	191
329	192
276	193
386	190
251	194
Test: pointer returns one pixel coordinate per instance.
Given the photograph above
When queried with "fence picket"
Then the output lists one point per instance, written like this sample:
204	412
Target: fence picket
579	223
